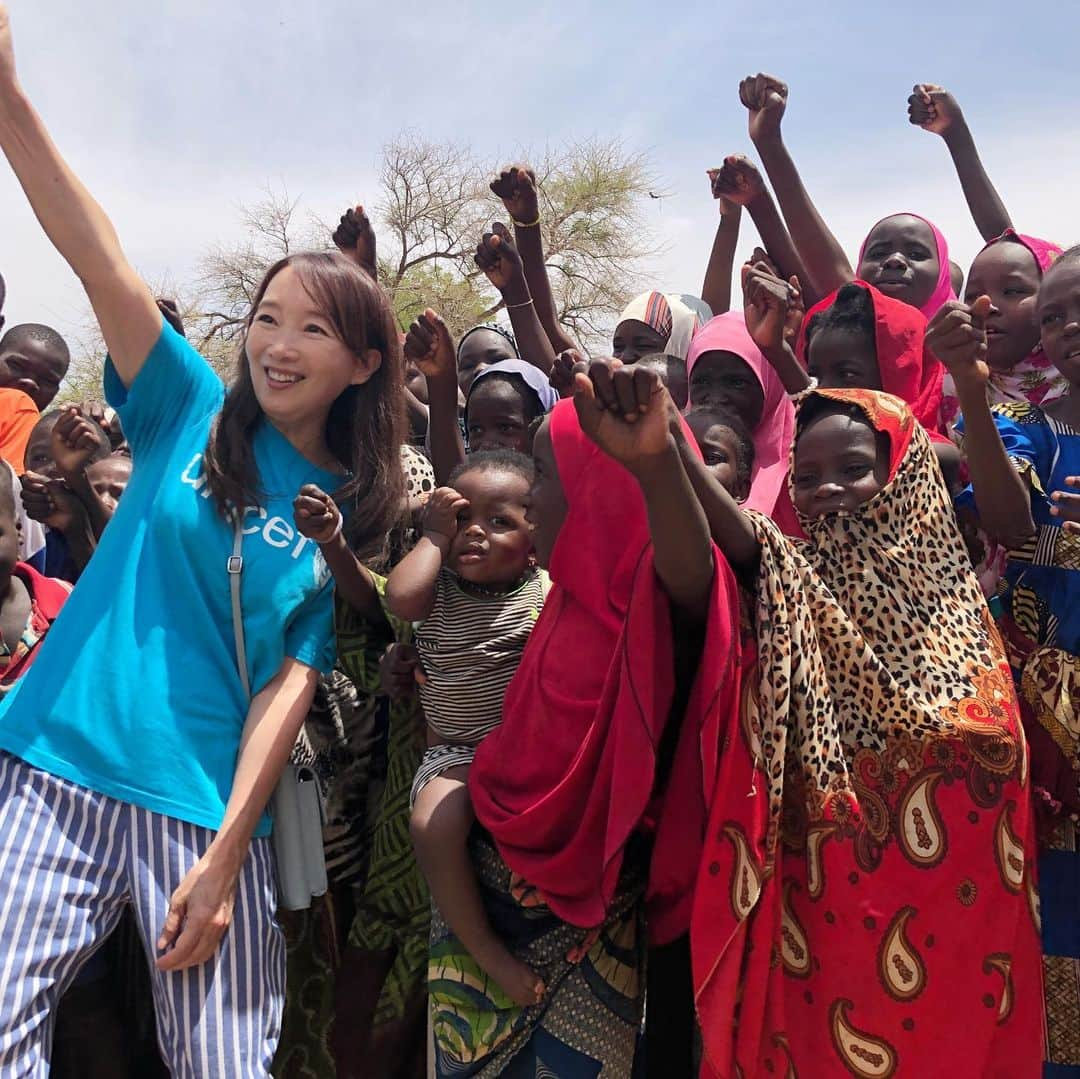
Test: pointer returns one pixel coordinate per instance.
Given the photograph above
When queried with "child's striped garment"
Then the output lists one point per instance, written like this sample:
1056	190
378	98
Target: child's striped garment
470	646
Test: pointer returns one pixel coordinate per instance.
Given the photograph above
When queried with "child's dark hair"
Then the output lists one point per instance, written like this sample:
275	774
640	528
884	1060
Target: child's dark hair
744	443
818	405
34	331
501	331
494	461
531	404
366	424
853	310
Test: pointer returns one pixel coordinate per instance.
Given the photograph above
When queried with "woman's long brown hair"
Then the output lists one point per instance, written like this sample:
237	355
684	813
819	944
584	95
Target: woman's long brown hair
366	424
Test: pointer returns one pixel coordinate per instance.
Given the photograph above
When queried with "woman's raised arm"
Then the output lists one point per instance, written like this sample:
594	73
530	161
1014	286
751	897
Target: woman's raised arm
77	226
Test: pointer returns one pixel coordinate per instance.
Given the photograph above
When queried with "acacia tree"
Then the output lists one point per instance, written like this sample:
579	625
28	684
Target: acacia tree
432	207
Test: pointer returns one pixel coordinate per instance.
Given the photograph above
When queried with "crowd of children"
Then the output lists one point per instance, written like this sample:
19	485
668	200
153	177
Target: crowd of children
709	707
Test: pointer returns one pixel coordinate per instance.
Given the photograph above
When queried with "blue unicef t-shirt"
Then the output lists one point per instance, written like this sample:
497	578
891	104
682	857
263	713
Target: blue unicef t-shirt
135	692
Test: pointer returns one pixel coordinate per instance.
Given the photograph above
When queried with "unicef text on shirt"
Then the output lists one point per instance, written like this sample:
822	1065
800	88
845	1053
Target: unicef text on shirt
275	531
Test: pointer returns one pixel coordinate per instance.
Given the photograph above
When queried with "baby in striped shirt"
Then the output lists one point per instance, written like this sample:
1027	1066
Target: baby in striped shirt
473	589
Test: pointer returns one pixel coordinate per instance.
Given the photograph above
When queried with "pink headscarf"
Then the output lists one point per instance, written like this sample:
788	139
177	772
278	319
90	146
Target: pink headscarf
943	290
776	428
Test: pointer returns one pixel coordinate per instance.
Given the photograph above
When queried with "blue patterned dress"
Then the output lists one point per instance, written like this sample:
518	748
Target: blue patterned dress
1040	596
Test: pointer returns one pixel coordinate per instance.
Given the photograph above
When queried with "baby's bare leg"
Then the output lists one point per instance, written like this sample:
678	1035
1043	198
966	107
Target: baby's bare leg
440	825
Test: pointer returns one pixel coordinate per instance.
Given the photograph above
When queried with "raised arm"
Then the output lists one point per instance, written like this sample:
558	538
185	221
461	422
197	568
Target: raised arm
957	336
739	181
716	288
354	237
728	525
75	441
429	345
410	588
516	186
76	224
770	306
497	256
318	517
934	109
625	412
50	501
826	264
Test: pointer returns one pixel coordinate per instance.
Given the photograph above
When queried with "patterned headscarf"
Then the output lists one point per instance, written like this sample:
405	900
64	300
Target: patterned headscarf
866	877
669	316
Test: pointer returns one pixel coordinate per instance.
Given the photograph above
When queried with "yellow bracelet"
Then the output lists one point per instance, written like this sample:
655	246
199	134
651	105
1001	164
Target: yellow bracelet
526	224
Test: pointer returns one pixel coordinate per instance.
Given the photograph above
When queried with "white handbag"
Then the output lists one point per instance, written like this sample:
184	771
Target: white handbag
296	805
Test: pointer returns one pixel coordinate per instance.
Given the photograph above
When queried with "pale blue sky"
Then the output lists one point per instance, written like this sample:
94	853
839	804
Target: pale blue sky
173	113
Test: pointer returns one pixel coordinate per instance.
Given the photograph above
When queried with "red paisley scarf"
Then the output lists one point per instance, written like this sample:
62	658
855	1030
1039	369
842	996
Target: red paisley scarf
866	903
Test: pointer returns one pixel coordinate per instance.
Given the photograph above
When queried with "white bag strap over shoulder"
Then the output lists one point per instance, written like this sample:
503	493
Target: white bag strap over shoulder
236	567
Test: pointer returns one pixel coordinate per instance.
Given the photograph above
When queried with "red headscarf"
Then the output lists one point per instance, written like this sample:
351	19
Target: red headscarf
570	774
866	903
909	370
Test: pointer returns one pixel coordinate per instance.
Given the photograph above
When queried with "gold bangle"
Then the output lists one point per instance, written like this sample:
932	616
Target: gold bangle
515	306
526	224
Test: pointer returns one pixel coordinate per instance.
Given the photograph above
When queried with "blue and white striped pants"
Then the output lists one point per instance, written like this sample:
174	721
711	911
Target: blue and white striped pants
69	860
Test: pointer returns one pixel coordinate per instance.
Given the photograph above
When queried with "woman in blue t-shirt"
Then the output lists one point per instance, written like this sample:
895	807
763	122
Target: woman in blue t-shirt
134	767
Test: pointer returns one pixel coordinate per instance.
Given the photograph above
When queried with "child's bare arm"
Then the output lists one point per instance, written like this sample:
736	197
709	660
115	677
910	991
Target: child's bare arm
516	186
410	589
429	345
716	288
767	303
318	517
934	109
826	264
499	258
75	441
624	410
739	181
957	336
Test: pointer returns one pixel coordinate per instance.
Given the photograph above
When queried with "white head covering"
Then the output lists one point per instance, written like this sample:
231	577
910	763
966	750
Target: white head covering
676	318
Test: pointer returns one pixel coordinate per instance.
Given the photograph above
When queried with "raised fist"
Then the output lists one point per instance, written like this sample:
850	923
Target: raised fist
355	238
516	186
738	181
933	109
766	98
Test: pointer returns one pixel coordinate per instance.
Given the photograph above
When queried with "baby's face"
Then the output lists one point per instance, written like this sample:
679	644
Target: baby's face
494	540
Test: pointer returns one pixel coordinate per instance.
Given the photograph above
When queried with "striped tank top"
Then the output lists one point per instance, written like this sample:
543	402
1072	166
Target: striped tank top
470	646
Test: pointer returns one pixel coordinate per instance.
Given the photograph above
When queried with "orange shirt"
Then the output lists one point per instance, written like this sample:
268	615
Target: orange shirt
18	414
